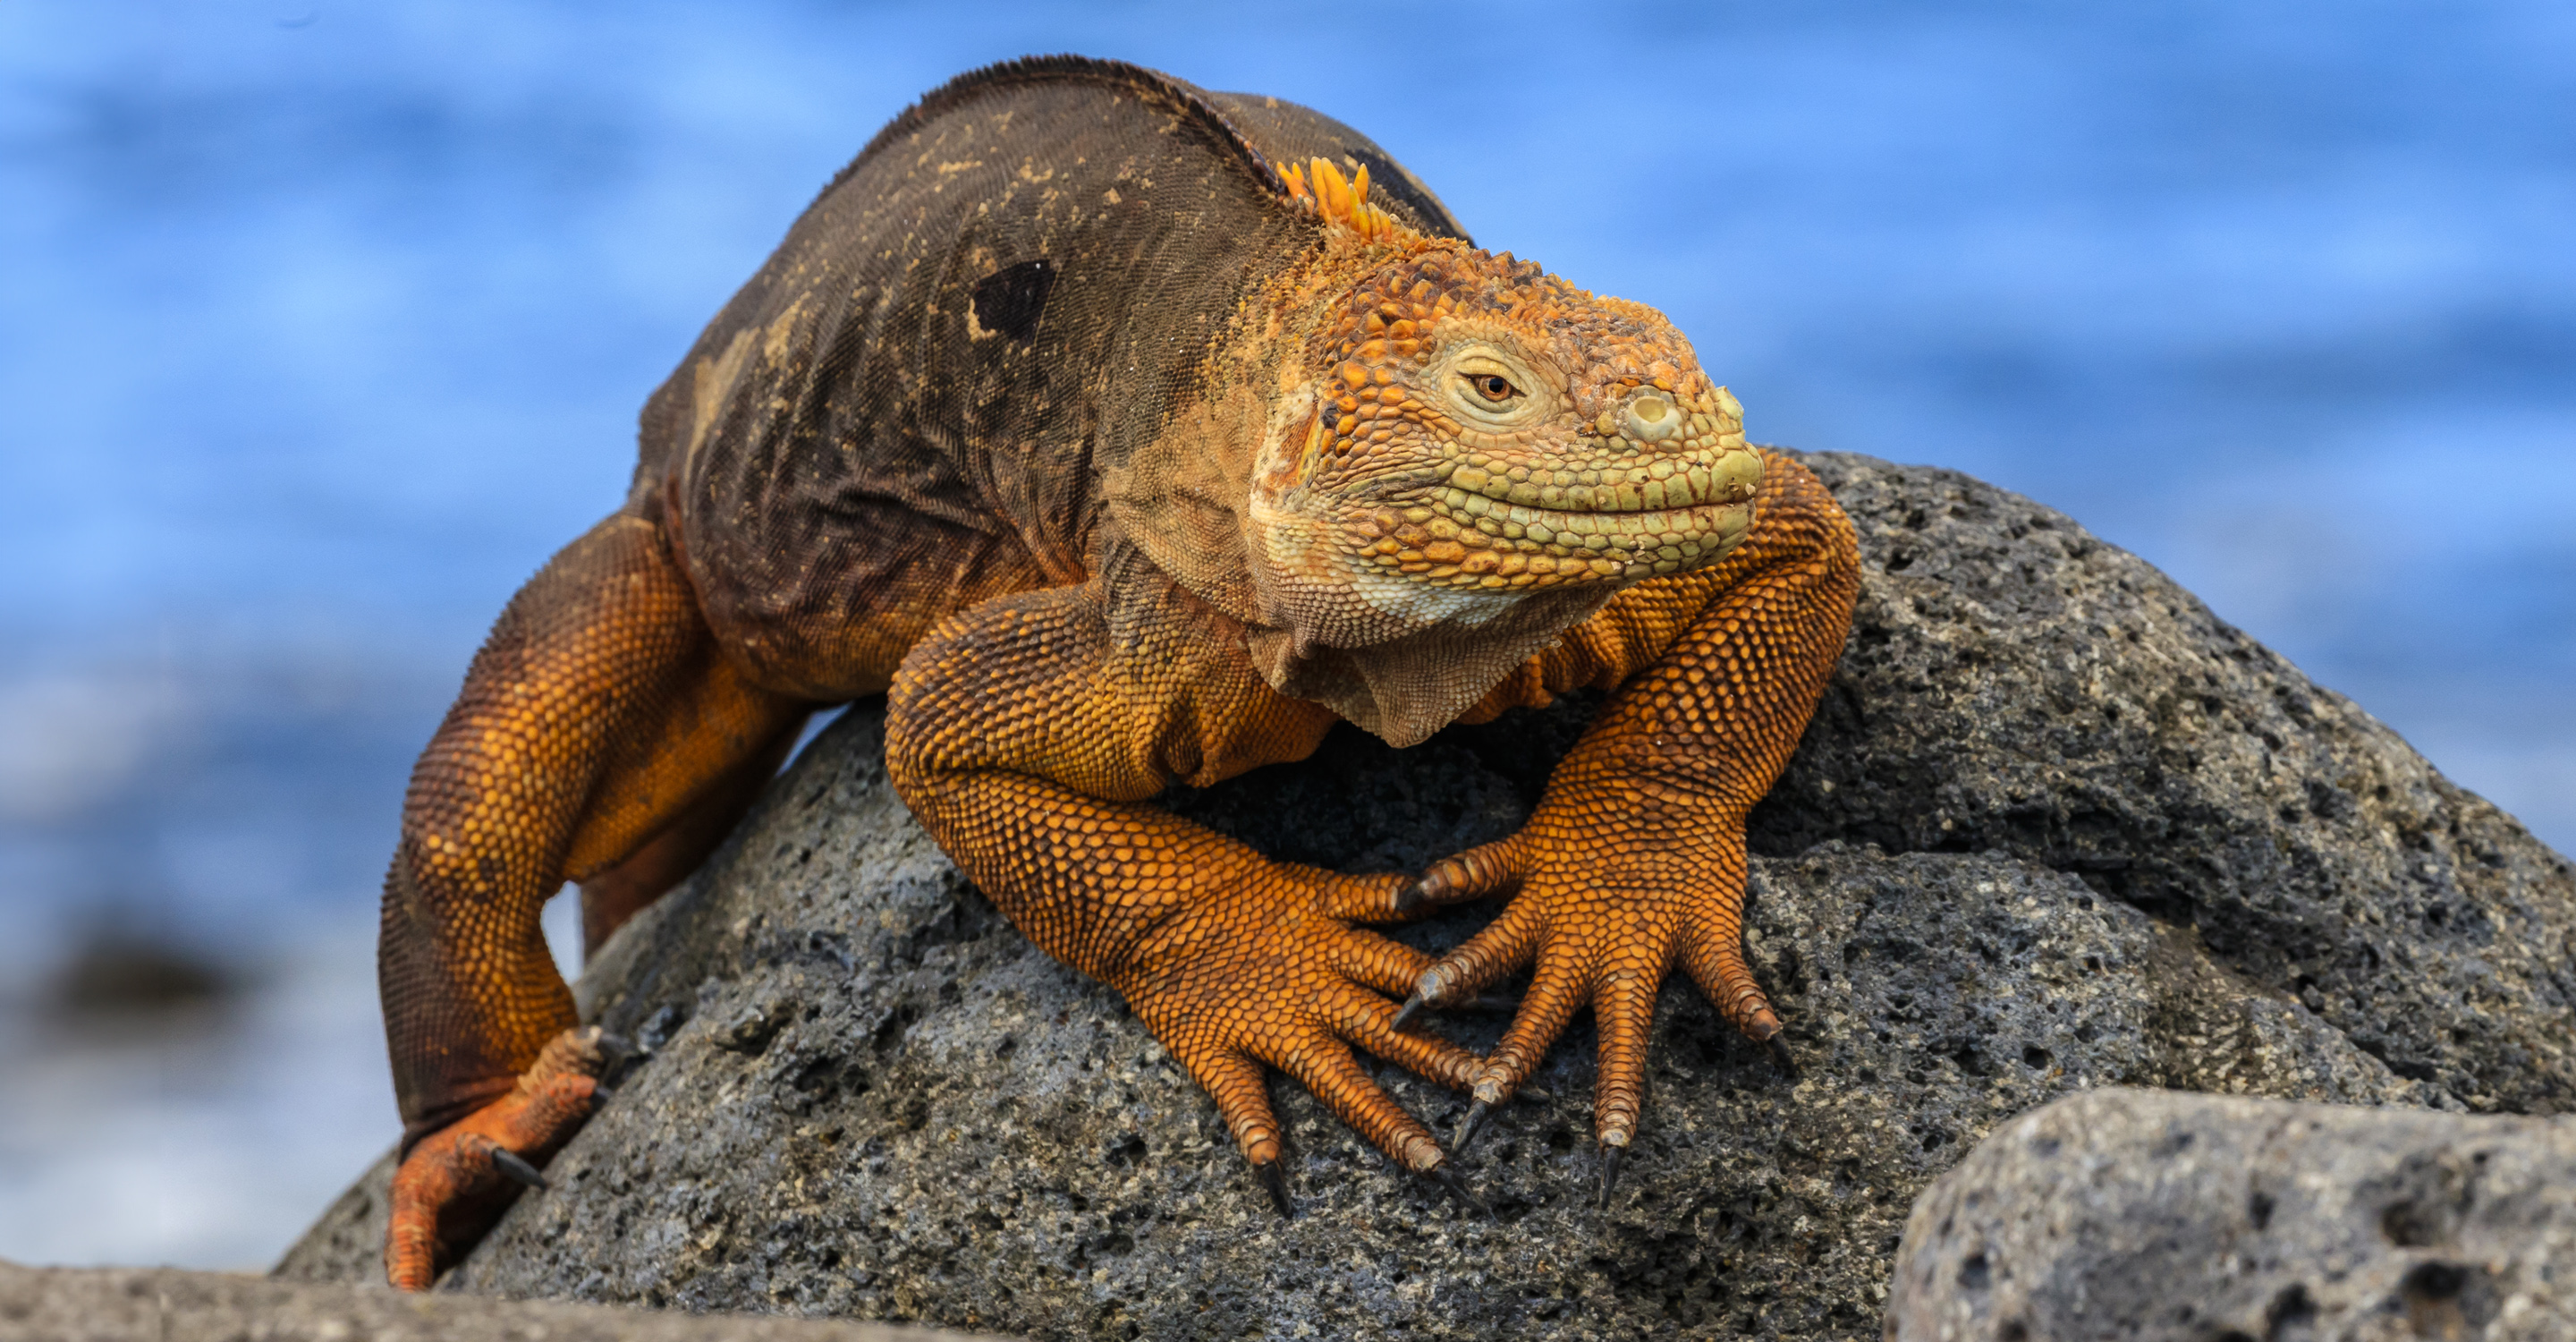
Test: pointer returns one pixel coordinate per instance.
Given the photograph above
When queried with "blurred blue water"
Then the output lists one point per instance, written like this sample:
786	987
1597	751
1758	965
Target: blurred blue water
321	326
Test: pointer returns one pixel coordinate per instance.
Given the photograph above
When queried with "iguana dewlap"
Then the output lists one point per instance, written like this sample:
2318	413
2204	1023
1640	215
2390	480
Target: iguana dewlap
1128	434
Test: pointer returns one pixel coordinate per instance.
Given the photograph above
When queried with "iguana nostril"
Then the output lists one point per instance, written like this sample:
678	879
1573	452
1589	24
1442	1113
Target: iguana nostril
1651	419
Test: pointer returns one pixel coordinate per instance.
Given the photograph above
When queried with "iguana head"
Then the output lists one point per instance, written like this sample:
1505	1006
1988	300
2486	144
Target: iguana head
1479	425
1476	430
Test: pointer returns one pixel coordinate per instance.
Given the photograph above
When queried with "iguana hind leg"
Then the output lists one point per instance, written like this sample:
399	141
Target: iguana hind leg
599	712
612	896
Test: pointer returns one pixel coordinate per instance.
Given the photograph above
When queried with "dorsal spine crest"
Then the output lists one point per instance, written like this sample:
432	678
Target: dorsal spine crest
1342	202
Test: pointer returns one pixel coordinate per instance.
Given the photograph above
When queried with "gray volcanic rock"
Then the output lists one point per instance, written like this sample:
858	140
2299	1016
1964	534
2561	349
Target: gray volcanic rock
2159	1217
2014	683
869	1096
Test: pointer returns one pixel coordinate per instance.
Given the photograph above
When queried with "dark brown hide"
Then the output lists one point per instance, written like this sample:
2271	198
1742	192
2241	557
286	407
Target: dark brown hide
1010	288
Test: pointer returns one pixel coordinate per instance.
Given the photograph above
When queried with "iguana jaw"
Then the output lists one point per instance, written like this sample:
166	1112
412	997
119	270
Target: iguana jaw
1496	521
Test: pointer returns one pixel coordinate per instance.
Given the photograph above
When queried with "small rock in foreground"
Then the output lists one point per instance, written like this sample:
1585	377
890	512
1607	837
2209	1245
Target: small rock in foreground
170	1305
2150	1215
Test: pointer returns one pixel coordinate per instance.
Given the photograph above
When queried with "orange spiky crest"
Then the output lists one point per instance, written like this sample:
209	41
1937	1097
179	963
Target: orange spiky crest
1342	202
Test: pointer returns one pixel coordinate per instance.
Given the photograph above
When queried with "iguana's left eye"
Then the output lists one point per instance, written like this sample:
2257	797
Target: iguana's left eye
1493	387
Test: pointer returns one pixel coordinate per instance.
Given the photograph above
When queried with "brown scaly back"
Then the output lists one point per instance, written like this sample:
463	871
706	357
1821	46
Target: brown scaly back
1013	286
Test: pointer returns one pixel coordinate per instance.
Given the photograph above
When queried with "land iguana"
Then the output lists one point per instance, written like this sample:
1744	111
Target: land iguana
1127	435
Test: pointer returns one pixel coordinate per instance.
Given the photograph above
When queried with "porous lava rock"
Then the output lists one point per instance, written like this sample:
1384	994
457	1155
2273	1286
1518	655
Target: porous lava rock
2055	826
2164	1217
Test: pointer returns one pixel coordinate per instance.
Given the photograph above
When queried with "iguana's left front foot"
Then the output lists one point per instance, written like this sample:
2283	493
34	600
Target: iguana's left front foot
1603	910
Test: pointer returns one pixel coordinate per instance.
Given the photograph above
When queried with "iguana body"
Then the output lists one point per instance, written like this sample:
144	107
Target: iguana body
1123	451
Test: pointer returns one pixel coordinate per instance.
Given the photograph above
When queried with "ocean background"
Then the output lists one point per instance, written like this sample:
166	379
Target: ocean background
322	325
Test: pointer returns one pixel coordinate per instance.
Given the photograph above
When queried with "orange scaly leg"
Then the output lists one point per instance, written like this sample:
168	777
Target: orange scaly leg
598	712
1635	855
1026	738
609	898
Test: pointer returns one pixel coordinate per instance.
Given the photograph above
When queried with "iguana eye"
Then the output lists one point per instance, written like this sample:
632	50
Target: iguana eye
1495	389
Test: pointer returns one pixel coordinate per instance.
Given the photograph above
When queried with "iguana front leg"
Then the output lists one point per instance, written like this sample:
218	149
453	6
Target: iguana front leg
1027	733
1635	855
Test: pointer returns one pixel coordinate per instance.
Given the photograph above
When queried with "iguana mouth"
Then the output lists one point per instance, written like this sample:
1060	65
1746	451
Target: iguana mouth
1484	528
1667	483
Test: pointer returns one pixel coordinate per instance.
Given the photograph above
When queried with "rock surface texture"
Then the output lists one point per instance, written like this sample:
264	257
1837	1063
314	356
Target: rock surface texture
168	1305
2159	1217
2055	826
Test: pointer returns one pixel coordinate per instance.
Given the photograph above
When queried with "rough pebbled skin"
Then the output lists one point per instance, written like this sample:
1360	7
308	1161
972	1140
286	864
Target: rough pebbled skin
1121	455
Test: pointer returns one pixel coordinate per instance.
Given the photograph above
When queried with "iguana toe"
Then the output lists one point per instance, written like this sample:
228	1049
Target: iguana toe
507	1161
1457	1188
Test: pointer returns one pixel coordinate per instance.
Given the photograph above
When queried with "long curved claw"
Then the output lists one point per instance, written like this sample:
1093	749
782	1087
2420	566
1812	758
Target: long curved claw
1412	1006
1480	1110
1610	1172
1780	1058
1456	1187
510	1165
1276	1181
1467	1127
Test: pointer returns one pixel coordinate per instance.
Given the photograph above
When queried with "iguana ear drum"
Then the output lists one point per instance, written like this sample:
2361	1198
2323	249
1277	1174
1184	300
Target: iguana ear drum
1008	302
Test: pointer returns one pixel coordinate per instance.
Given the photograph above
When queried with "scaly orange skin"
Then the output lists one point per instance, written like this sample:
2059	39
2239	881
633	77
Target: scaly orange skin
598	718
1458	484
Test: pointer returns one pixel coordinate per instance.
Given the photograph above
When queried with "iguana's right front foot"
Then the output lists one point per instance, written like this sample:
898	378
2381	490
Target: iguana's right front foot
456	1183
1270	972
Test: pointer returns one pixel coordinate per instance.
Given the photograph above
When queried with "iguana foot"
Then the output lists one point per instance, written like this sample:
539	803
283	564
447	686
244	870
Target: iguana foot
1602	920
1287	983
459	1180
